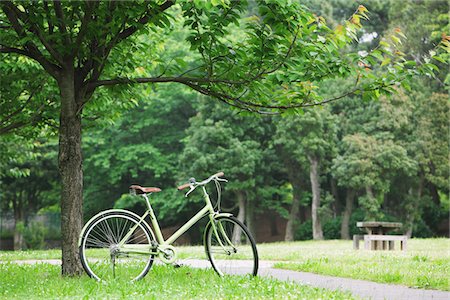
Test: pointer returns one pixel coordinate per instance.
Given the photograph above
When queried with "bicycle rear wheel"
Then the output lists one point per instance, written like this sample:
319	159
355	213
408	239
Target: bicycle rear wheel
230	247
103	258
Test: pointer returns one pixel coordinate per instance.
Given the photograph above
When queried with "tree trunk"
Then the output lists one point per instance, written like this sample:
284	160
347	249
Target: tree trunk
18	222
372	206
336	203
295	207
241	217
250	217
349	199
315	187
411	215
70	168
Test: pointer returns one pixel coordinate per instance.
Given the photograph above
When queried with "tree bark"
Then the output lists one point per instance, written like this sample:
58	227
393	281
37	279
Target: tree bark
18	219
349	199
241	217
336	203
315	187
372	206
411	215
250	217
70	168
293	213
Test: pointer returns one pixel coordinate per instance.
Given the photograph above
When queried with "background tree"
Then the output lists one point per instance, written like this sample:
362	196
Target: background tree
310	140
28	103
286	143
430	151
142	147
220	140
25	181
373	154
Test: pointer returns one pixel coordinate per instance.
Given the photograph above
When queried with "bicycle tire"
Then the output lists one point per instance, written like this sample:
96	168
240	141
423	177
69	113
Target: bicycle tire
100	239
238	258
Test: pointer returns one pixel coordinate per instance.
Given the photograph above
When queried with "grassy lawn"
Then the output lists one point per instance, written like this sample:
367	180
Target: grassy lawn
43	281
426	263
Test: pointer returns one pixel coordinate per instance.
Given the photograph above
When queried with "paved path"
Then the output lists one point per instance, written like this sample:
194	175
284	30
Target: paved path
360	288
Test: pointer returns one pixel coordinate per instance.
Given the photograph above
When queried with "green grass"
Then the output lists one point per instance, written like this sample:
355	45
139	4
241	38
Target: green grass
43	281
426	263
30	254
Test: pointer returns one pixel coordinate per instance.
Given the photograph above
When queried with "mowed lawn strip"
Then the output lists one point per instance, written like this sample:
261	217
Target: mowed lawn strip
425	264
43	281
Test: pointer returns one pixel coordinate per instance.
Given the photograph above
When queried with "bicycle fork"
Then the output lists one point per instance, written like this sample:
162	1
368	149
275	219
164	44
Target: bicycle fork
219	230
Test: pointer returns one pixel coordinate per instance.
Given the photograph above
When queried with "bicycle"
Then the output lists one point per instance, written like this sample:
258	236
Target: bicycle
118	243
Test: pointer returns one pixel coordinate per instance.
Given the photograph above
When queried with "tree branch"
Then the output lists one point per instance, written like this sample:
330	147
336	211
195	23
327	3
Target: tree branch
33	29
32	51
9	10
21	108
47	45
123	34
61	21
49	21
84	23
6	49
159	79
143	20
96	66
34	119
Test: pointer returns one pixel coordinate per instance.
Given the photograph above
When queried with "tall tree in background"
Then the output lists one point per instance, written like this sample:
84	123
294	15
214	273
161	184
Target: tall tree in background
286	142
374	153
25	179
218	140
284	46
430	151
309	138
142	147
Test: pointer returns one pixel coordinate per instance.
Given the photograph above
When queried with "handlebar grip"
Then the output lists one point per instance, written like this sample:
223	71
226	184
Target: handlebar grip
220	174
182	187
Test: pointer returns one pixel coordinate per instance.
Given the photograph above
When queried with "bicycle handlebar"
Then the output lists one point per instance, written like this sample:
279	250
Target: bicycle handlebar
193	184
182	187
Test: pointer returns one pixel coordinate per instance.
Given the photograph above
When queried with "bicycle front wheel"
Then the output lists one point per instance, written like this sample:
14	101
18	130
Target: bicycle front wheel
102	255
230	247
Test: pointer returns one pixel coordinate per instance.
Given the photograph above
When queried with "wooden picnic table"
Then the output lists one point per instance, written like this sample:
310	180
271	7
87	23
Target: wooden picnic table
374	227
377	238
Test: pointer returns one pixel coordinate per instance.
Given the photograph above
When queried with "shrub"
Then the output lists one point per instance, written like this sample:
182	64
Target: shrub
421	230
332	229
34	236
304	231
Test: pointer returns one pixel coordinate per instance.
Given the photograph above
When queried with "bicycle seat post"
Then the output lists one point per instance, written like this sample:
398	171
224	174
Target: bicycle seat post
145	195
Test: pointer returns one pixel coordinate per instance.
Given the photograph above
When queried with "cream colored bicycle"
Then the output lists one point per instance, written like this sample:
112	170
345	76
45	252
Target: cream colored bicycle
118	243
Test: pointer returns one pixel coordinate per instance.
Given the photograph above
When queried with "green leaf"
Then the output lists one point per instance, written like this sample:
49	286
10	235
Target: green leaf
396	40
386	61
440	59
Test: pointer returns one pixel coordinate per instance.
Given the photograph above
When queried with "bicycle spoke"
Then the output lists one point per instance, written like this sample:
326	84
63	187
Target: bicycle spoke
101	254
96	242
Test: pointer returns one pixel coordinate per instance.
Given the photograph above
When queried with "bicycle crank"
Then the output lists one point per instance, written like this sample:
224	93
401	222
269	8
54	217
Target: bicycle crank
167	254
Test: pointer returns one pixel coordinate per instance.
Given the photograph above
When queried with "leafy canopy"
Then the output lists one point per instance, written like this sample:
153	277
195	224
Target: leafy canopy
265	57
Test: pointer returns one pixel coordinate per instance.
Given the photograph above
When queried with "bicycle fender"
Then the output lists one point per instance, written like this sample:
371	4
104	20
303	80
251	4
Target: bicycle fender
219	215
99	215
215	216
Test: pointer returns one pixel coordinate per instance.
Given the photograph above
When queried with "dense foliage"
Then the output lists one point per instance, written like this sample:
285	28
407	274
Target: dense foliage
349	160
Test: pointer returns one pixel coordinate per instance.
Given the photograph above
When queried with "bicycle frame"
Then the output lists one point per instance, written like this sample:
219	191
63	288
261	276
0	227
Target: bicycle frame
208	209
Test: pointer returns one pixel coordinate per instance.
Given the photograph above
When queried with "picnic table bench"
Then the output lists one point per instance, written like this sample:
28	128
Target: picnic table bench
377	238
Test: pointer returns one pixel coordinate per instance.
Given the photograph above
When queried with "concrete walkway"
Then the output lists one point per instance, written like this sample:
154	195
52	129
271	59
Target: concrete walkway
360	288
